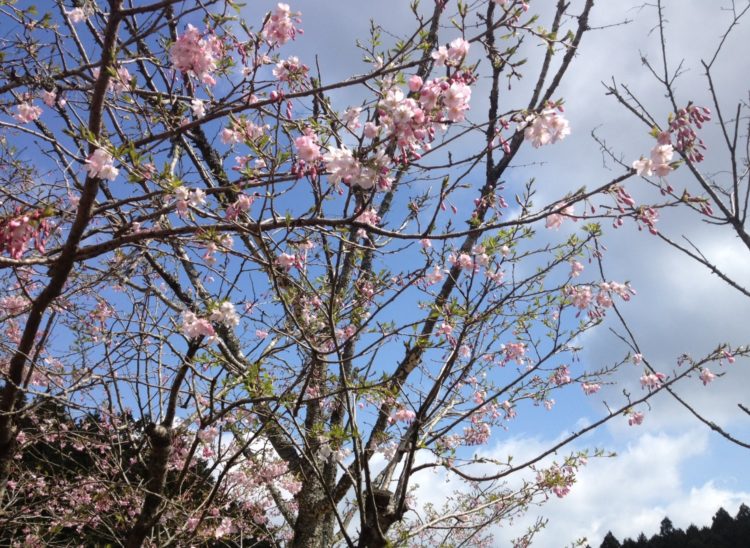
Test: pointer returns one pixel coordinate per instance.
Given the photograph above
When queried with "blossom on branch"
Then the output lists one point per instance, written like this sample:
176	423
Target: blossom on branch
546	128
100	164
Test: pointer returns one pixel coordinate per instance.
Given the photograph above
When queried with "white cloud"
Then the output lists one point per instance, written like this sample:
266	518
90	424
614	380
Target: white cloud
633	492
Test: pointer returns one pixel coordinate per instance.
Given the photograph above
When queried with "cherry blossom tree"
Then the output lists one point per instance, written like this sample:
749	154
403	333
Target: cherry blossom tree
241	310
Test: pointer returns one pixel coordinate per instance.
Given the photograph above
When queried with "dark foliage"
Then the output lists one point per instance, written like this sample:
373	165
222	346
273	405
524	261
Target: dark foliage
56	456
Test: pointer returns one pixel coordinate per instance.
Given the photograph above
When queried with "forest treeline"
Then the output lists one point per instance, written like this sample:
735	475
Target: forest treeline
725	532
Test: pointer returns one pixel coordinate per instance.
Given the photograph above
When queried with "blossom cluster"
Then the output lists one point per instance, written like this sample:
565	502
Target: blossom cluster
686	138
402	414
76	15
280	26
558	479
453	55
308	148
686	141
582	296
193	326
652	381
546	128
239	206
343	167
555	220
412	122
408	121
636	418
290	70
193	54
242	130
27	112
659	161
16	233
185	197
100	164
225	314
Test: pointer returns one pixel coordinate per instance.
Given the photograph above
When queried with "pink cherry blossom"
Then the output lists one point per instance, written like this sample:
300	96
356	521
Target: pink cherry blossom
561	376
463	260
371	130
477	434
643	167
307	147
706	376
369	216
403	415
226	314
290	70
546	128
120	83
453	54
604	299
590	388
280	26
192	54
341	165
456	99
652	381
241	205
515	351
351	118
198	107
444	329
14	304
658	163
226	527
581	296
555	220
193	326
415	83
16	233
434	276
100	164
636	418
286	261
49	98
229	136
575	269
27	112
185	197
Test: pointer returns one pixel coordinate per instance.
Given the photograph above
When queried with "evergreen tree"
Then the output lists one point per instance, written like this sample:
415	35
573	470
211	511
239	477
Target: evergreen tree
666	528
610	541
742	522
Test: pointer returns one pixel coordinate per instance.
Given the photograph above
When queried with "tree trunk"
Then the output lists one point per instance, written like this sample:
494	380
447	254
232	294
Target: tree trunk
315	518
161	447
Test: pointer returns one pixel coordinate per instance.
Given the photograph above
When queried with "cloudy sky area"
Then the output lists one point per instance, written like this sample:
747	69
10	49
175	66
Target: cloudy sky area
671	465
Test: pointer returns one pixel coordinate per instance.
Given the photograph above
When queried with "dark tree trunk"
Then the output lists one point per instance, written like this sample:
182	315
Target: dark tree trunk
161	447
